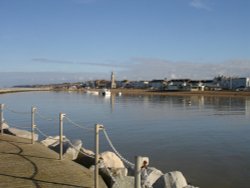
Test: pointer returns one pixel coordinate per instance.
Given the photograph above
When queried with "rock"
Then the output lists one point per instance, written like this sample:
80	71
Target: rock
173	179
51	141
69	151
88	152
92	168
153	175
5	125
111	160
119	172
124	182
22	133
86	158
116	177
72	152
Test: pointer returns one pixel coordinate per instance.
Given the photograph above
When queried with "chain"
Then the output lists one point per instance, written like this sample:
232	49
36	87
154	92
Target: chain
117	153
14	126
70	143
43	134
17	112
45	118
77	125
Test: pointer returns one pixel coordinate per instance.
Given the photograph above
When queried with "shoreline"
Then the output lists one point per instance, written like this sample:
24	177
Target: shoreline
182	93
16	90
141	92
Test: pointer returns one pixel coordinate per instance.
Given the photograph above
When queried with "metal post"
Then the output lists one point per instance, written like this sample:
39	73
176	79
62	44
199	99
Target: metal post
61	116
97	128
141	165
137	172
33	110
1	117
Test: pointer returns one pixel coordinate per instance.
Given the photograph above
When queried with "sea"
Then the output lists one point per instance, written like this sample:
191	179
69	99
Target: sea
207	138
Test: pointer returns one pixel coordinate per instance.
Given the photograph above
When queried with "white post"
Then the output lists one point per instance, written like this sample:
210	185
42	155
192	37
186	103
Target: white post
61	116
1	117
97	128
141	165
137	172
33	110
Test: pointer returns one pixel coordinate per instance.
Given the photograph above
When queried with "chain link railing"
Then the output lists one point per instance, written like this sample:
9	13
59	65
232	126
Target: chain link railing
16	126
16	112
45	118
116	152
78	125
43	134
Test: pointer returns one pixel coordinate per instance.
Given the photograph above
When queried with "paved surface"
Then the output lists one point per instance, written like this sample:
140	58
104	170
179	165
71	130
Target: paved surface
33	165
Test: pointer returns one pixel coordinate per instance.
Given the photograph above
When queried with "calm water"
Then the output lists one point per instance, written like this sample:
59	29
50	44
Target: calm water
207	138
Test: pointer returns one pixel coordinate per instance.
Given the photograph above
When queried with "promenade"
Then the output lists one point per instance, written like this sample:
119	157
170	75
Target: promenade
23	164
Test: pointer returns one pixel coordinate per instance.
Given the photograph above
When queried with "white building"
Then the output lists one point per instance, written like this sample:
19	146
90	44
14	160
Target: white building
233	82
158	84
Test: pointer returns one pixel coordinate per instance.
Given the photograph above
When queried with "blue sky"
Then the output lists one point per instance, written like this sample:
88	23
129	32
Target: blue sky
69	40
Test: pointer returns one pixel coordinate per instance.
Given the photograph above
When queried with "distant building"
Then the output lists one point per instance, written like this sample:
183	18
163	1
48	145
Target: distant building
178	85
158	84
113	84
101	83
233	83
139	84
196	85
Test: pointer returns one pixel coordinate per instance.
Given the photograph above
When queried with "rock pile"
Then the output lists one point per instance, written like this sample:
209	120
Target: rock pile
113	170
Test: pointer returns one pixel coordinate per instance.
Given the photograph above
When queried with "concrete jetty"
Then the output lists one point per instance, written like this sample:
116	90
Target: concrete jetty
23	164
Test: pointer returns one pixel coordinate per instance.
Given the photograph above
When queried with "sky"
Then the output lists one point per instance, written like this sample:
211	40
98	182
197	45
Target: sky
53	41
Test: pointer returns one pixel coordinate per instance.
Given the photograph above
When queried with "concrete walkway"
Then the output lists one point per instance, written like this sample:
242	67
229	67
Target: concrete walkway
33	165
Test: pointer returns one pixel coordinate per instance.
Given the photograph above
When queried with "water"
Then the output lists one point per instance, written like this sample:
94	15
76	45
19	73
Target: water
207	138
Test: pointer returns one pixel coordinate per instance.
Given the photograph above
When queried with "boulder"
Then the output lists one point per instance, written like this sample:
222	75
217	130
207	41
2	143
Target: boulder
153	175
119	172
111	160
86	158
116	177
51	141
5	126
22	133
88	152
173	179
72	152
69	151
124	182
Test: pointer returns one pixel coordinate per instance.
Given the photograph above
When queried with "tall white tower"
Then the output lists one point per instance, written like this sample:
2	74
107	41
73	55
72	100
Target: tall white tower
113	84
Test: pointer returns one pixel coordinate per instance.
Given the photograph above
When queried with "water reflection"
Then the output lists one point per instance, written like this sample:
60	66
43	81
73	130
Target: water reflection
217	105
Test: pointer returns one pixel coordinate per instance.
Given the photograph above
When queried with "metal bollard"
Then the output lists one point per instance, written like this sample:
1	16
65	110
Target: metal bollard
140	162
98	127
33	110
61	116
1	117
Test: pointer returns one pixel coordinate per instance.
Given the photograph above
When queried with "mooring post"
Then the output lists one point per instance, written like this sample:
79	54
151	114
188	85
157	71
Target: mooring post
137	172
1	117
141	174
61	116
33	110
98	127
